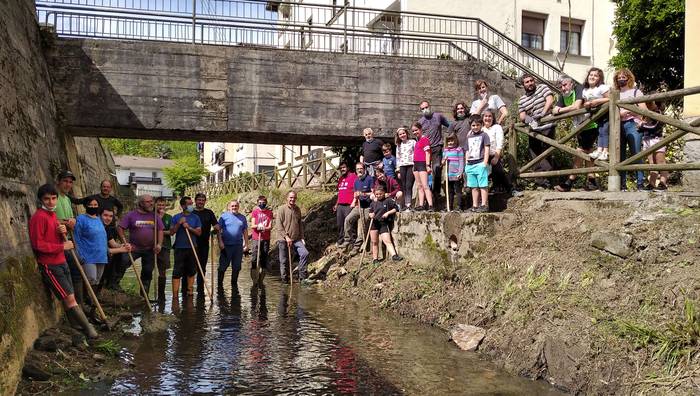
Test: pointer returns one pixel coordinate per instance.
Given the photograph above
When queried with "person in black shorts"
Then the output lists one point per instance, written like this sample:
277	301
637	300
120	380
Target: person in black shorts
185	262
382	212
49	242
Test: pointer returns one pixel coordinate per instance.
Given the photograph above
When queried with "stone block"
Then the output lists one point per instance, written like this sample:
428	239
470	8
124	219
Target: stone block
617	244
467	337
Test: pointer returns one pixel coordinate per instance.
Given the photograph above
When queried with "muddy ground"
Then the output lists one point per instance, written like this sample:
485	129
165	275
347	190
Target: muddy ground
594	296
63	360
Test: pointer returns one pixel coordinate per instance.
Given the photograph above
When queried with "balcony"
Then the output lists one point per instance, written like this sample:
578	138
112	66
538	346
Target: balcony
145	180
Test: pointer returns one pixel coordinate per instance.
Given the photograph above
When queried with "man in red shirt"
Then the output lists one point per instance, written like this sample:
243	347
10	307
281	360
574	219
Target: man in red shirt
342	207
49	243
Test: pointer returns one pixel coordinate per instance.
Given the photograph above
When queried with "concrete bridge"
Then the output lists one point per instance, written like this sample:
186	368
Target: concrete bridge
178	91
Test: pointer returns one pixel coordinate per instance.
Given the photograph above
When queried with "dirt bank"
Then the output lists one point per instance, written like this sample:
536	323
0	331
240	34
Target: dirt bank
63	360
595	293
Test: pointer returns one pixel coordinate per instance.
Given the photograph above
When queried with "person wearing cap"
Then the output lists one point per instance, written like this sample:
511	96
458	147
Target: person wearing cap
65	216
261	223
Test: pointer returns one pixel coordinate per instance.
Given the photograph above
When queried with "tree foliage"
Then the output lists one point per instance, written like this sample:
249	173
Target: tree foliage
151	148
650	38
185	172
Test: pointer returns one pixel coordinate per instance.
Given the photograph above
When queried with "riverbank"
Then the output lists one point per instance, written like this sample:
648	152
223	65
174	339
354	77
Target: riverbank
595	293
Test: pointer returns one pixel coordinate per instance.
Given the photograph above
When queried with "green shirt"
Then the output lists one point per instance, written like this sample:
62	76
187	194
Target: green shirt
64	210
569	99
167	222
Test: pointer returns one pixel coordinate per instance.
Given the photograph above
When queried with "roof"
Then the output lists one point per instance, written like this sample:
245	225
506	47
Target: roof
131	161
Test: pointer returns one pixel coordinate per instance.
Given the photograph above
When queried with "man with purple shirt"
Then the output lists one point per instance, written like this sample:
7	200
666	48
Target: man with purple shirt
145	236
432	124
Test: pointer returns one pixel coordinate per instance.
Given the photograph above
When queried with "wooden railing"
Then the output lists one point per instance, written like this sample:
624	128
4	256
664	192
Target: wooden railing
320	173
614	165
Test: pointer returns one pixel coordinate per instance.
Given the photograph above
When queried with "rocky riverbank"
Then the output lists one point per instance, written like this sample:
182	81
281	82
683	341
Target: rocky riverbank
595	293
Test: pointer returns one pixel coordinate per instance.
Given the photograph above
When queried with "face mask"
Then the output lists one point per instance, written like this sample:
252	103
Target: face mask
427	112
92	211
461	115
622	83
369	139
49	209
262	205
189	209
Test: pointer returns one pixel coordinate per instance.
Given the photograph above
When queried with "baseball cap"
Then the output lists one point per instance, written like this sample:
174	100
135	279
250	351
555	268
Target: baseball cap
65	173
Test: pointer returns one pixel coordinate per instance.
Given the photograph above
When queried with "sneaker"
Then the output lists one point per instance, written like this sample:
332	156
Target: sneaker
564	187
406	209
591	185
430	209
595	154
307	282
376	261
419	208
661	187
516	193
640	186
474	209
342	245
396	257
603	156
482	209
647	187
354	251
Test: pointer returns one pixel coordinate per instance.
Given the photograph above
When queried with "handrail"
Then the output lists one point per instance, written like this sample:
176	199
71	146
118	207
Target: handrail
615	165
485	43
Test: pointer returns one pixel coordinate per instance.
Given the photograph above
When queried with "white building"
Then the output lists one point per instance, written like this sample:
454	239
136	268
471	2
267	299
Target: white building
226	160
541	26
143	174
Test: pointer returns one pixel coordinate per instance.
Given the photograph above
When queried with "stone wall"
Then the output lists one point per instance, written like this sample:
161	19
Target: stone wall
181	91
32	150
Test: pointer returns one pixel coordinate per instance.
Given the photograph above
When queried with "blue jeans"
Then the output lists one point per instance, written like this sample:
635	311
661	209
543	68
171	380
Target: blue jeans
633	139
231	255
603	133
297	246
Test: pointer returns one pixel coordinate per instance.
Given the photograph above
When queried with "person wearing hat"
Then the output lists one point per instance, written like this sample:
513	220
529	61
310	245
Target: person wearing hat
66	217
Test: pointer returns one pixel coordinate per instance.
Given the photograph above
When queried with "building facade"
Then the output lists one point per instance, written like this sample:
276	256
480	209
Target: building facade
144	175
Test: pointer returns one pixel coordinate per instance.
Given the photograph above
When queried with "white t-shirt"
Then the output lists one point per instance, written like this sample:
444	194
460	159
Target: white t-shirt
495	133
494	104
404	152
595	92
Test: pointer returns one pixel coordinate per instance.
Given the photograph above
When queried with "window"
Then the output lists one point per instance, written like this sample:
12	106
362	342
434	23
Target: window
570	35
533	30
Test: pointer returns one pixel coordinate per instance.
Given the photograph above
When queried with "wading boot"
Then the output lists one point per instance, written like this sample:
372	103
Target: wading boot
146	287
78	292
234	279
161	289
78	316
220	280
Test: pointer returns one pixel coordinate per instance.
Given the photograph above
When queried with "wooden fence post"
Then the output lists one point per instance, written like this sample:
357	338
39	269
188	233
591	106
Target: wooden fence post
304	172
513	149
324	176
614	144
289	175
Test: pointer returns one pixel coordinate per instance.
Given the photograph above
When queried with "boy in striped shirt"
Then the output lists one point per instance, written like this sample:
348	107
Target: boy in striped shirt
453	161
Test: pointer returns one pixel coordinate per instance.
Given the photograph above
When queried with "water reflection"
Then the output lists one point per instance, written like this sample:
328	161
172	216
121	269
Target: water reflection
277	340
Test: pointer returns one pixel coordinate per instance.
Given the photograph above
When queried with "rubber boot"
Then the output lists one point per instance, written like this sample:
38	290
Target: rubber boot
220	280
190	285
254	275
78	316
146	287
161	288
234	279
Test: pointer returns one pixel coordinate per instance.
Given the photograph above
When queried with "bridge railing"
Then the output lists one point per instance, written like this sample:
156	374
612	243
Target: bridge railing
615	164
311	173
302	26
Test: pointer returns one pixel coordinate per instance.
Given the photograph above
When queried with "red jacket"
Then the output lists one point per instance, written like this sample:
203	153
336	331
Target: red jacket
391	186
46	241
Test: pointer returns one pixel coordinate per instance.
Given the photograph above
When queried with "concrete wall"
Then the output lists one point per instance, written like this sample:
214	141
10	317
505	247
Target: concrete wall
32	149
234	94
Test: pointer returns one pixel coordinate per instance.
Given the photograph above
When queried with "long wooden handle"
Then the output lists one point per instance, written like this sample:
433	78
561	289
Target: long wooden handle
447	187
138	279
199	265
364	243
289	254
87	282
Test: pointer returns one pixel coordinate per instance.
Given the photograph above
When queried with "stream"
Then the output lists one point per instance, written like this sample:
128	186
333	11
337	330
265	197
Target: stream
262	341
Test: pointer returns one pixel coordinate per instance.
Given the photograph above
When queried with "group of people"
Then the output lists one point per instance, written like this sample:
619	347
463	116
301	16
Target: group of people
637	133
104	244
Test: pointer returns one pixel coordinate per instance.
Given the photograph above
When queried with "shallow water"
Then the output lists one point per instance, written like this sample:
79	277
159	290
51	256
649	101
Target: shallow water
264	341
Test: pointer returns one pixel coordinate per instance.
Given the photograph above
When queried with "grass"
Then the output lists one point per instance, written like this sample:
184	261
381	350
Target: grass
675	342
108	347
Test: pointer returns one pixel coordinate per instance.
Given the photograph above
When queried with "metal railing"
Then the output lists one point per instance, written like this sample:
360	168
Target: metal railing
615	163
320	173
300	26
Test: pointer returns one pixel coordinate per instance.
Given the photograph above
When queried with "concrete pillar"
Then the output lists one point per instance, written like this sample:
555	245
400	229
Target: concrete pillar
691	104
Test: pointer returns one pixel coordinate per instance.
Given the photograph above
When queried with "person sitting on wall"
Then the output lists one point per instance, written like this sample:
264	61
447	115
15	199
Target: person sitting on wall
390	185
484	101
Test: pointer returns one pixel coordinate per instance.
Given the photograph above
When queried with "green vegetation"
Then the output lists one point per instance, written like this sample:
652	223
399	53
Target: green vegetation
108	347
185	172
650	39
151	148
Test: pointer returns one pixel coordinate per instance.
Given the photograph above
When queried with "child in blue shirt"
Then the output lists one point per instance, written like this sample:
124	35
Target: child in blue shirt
91	242
389	161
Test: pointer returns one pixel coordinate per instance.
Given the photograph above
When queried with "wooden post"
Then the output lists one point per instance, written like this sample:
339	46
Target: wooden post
304	172
289	175
513	149
614	146
324	176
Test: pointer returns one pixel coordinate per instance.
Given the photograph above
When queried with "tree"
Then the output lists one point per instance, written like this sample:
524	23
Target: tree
185	172
650	37
151	148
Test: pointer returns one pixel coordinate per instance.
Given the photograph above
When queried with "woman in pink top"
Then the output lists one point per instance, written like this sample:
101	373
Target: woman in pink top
629	123
421	157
